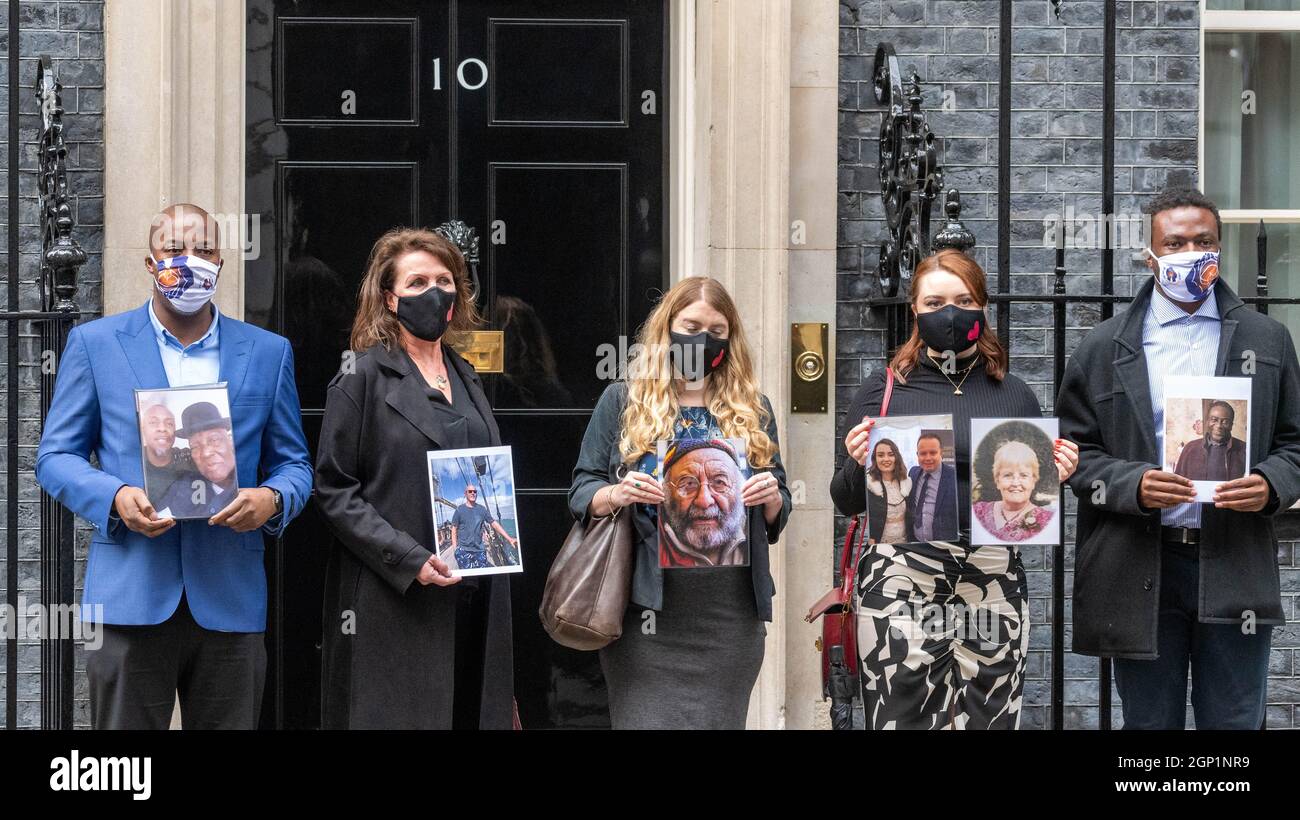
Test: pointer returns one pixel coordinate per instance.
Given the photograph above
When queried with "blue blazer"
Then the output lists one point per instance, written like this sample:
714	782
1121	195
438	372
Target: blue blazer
946	523
136	579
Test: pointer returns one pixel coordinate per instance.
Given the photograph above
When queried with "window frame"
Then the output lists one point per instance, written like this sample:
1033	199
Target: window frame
1218	21
1231	21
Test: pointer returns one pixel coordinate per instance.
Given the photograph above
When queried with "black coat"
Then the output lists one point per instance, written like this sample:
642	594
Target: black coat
1105	406
598	465
372	486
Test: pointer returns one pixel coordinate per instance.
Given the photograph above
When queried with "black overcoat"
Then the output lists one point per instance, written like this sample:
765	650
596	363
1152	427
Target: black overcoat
1105	406
389	642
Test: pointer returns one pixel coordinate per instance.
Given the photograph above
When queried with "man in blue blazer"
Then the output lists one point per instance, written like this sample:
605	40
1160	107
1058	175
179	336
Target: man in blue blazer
181	605
932	504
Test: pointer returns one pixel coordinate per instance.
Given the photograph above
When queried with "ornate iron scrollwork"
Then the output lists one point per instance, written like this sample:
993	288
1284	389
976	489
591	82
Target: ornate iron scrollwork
61	256
465	238
1056	8
953	234
910	176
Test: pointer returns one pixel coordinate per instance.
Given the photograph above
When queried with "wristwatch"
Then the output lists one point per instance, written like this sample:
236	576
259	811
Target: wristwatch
279	502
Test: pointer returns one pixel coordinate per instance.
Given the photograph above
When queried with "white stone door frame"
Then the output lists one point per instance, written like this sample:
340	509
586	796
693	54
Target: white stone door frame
173	132
753	152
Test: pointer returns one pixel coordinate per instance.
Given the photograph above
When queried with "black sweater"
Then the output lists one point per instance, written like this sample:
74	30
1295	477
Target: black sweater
928	392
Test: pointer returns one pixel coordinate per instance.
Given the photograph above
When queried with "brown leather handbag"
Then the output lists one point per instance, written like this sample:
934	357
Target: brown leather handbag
588	587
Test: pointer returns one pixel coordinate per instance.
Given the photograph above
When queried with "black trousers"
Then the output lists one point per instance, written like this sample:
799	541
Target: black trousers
137	673
1229	666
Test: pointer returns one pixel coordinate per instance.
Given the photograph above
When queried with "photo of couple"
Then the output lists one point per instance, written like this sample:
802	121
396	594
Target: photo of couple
912	480
189	468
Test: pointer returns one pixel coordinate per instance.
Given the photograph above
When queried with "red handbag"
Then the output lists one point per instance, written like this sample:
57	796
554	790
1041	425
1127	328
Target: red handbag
839	638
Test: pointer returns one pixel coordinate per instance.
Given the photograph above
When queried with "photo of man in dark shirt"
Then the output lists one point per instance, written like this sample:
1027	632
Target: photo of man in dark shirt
1217	455
214	486
164	462
469	524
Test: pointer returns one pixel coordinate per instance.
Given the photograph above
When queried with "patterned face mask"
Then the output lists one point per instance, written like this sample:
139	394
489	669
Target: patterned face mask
1188	276
188	282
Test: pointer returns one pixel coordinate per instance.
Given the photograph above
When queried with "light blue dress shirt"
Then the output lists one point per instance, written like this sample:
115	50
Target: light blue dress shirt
198	363
1177	343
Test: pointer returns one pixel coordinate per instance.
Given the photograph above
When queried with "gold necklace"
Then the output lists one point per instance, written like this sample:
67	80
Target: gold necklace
956	386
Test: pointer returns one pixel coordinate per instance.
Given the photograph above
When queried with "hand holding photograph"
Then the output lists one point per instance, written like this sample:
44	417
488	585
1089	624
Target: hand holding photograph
1207	430
472	497
187	450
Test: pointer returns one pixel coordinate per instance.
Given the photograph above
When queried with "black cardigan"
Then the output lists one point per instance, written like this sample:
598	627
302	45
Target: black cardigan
598	465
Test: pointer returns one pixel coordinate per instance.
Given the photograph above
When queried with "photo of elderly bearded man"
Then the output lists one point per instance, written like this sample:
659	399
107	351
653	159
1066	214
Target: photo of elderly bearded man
702	520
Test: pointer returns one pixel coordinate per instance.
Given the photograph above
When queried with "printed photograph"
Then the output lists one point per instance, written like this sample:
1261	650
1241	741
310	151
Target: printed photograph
1207	430
187	450
702	520
472	495
1015	491
912	480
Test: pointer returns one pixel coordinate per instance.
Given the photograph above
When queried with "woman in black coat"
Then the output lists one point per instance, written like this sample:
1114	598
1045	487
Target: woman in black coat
407	643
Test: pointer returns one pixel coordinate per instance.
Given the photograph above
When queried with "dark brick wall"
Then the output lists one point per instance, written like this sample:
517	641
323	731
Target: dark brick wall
1056	157
72	34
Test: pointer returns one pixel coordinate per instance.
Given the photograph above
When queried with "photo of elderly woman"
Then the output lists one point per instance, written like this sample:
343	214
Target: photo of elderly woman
1014	500
888	491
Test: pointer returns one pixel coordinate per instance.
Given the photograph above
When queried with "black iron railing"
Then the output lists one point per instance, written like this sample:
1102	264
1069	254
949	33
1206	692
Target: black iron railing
50	322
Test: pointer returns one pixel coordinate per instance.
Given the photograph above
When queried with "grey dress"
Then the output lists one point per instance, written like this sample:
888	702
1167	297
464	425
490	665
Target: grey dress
693	663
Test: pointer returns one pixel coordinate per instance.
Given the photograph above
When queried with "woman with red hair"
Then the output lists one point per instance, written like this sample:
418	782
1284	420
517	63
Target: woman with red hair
943	627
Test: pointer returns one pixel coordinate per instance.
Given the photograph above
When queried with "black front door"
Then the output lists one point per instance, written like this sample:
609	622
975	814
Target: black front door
542	125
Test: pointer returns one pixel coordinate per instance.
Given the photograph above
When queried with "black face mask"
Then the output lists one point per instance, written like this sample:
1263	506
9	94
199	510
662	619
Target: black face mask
425	315
695	357
950	328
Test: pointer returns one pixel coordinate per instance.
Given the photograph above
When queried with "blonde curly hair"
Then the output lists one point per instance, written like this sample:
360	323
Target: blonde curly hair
734	399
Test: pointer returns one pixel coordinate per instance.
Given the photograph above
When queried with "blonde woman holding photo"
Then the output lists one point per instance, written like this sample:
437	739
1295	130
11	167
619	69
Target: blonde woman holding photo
692	639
